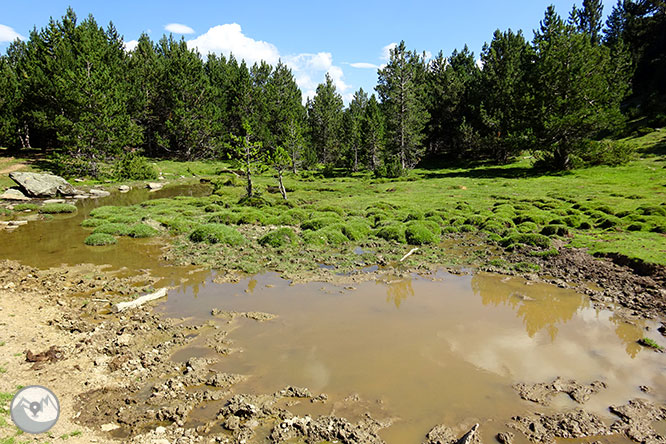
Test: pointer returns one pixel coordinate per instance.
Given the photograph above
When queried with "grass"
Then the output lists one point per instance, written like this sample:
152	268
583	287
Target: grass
608	210
56	208
647	342
100	239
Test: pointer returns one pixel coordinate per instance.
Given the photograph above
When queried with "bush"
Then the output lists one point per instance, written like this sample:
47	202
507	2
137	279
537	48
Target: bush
57	208
217	234
390	169
278	238
395	232
132	166
99	239
418	233
607	152
110	228
142	230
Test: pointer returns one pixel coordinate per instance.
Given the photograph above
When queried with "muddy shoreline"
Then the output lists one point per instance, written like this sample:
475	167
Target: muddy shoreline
120	363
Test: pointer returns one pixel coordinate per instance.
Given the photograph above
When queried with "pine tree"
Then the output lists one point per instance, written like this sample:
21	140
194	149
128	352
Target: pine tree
590	19
353	125
573	91
373	131
284	110
325	121
504	92
400	88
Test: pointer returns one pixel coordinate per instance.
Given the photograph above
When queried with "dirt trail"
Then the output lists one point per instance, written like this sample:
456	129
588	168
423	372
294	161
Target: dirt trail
11	168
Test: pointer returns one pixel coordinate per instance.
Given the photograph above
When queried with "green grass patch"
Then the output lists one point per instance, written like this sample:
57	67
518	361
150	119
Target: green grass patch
647	342
217	234
142	230
278	238
99	239
418	233
56	208
26	206
113	228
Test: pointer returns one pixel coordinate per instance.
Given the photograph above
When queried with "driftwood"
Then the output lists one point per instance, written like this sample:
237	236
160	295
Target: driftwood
469	436
140	301
414	250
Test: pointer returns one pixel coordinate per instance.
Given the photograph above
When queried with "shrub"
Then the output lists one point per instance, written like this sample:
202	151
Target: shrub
213	208
132	166
110	228
278	238
607	152
56	208
391	168
217	234
99	239
418	233
142	230
395	232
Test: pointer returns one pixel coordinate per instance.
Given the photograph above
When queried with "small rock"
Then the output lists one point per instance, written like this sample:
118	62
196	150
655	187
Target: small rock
78	180
81	196
99	193
123	188
160	430
109	427
505	437
54	201
160	441
17	223
13	194
154	186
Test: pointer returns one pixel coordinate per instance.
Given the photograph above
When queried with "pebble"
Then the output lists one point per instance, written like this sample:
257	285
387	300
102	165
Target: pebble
54	201
100	193
109	427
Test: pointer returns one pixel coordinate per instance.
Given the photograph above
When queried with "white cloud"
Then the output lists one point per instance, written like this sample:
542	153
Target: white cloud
129	46
179	28
229	38
309	69
386	51
7	34
364	65
479	64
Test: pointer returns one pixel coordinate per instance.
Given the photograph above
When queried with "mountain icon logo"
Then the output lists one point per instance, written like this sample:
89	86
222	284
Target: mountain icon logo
35	409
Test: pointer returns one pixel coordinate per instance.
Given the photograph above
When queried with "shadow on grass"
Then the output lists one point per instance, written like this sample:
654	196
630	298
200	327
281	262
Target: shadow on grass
658	150
494	172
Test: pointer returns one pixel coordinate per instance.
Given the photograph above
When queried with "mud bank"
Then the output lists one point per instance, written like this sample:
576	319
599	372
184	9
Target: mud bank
117	381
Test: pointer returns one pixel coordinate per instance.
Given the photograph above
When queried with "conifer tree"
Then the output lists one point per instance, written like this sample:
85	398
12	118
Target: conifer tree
325	121
400	88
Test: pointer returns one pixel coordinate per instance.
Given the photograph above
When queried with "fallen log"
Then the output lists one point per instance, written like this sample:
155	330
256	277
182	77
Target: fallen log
413	250
140	301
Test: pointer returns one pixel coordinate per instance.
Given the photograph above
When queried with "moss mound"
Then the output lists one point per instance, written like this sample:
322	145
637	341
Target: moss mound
99	239
555	230
395	232
418	233
26	206
142	230
536	240
319	223
223	217
93	223
111	228
356	230
217	234
57	208
278	238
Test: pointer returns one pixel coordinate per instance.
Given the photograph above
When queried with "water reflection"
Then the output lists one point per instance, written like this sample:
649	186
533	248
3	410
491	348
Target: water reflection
398	291
545	308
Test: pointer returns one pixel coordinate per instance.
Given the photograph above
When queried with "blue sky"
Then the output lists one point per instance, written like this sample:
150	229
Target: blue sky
347	39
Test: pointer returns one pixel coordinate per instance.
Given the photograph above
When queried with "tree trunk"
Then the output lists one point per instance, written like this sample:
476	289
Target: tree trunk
355	158
248	170
282	188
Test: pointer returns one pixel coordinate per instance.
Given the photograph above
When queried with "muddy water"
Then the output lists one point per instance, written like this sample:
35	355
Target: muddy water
427	351
45	244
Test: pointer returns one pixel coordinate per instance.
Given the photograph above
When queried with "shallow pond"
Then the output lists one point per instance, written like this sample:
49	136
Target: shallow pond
427	350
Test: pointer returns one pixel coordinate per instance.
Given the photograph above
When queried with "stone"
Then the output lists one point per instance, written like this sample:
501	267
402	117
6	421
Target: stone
13	194
42	185
154	185
18	223
99	193
123	188
109	427
81	196
52	201
161	430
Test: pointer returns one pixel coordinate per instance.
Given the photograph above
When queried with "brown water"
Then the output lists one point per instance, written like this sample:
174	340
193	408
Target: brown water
428	351
424	351
57	242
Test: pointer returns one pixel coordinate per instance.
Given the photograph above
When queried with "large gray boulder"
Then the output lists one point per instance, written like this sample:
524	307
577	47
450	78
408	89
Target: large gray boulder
42	185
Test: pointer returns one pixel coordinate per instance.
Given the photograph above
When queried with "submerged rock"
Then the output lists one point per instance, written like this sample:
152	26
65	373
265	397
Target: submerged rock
99	193
636	419
153	186
42	185
123	188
